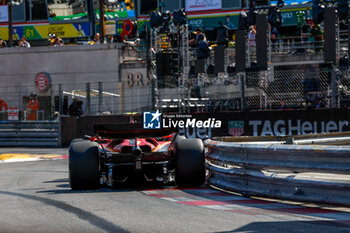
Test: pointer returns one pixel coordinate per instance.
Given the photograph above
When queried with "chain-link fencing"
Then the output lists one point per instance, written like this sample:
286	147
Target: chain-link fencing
297	88
301	87
22	102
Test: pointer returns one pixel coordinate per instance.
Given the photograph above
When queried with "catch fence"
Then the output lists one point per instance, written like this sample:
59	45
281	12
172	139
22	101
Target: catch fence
297	88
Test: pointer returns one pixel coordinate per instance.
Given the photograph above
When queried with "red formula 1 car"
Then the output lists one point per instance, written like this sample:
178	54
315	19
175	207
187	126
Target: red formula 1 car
129	150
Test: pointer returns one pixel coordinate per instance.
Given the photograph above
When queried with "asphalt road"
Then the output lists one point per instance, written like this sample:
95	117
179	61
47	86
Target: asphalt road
35	197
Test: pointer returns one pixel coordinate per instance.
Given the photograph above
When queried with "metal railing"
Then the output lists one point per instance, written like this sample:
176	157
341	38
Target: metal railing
30	133
272	170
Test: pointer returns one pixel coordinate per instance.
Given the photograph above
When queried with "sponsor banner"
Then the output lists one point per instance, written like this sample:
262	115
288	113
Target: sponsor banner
295	127
12	114
63	30
263	123
43	31
236	128
250	123
42	81
4	16
203	5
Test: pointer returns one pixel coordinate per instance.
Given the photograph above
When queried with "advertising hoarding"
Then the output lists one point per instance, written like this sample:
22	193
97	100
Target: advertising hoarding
4	16
203	5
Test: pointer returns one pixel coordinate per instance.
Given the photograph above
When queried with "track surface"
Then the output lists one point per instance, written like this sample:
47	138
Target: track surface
35	197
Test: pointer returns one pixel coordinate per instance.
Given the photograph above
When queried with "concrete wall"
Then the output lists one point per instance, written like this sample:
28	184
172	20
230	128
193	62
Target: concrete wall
136	88
66	64
73	67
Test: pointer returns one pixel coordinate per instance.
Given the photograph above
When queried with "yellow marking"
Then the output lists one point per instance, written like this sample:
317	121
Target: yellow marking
26	156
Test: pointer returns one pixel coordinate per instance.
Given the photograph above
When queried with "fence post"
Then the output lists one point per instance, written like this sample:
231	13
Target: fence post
100	97
88	99
52	98
243	103
154	92
60	99
120	104
334	89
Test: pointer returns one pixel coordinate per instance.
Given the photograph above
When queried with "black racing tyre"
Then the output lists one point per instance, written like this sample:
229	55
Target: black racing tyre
179	137
190	163
84	165
76	140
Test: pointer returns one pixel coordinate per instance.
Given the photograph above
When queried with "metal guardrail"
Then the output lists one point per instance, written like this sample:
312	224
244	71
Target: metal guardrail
30	133
272	170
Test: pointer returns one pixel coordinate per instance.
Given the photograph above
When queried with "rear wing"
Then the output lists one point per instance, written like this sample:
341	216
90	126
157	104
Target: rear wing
130	131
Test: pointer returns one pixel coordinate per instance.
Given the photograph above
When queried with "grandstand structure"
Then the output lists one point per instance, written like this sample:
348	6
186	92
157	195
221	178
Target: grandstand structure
298	76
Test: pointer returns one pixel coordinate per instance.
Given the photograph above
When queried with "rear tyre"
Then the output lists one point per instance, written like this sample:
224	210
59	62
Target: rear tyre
190	163
84	165
179	137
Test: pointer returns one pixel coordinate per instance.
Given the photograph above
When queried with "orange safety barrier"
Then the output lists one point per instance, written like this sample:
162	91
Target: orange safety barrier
3	105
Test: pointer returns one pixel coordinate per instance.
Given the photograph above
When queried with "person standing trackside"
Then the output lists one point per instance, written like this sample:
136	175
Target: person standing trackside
75	108
316	33
199	34
252	35
32	107
202	49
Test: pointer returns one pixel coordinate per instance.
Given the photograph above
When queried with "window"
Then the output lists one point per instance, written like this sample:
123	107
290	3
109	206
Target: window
148	6
67	9
172	5
262	2
18	12
229	4
39	10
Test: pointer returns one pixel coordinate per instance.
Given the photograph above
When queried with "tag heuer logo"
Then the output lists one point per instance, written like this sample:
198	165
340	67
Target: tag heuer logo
236	128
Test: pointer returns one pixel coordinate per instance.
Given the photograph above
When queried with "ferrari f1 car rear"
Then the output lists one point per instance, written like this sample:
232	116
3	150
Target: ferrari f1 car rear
155	154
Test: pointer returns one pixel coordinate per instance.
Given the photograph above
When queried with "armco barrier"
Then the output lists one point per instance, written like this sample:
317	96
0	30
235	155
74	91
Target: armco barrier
30	133
265	170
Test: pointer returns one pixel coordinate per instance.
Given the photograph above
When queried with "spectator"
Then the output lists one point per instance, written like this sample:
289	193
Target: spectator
56	116
122	5
2	43
56	40
344	63
251	35
23	42
202	50
110	38
222	35
274	36
32	107
199	33
75	108
319	104
316	33
132	120
228	24
96	39
59	41
119	37
282	105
